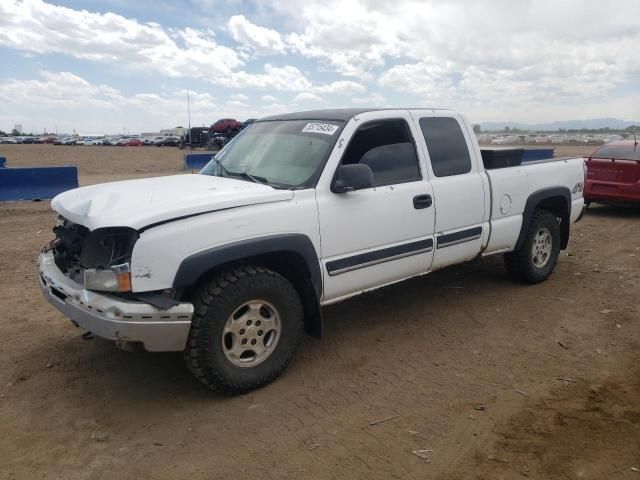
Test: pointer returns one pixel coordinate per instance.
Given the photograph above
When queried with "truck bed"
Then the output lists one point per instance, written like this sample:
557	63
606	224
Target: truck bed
511	187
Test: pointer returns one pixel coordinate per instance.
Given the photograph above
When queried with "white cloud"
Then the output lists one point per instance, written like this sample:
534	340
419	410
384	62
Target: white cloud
496	59
341	86
306	97
429	81
352	41
274	109
518	56
58	90
239	97
287	78
373	100
261	40
291	79
70	102
38	27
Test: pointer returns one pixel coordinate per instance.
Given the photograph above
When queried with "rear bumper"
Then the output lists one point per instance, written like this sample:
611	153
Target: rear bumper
114	318
596	191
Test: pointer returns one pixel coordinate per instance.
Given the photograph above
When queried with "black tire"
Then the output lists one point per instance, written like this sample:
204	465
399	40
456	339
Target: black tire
215	302
520	263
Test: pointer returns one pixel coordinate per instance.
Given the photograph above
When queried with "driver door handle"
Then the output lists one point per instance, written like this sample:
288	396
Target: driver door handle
422	201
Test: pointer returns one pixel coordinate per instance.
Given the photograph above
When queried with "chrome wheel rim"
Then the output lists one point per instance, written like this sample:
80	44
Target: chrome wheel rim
541	249
251	333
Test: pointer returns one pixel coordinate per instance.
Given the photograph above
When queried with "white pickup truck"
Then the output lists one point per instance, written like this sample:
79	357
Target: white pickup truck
298	211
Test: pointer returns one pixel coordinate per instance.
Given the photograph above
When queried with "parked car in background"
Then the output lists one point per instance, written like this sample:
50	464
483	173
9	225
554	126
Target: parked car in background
134	142
613	173
112	141
226	125
168	142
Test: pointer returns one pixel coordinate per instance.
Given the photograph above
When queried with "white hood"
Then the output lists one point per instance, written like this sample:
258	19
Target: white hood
139	203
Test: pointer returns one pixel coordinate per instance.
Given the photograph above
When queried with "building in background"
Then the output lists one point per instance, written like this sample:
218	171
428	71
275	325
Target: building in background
178	131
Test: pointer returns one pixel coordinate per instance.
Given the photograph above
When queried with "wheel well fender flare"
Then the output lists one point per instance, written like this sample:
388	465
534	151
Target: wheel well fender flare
274	252
554	199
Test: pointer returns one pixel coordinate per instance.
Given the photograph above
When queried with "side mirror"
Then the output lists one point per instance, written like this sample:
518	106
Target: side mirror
353	177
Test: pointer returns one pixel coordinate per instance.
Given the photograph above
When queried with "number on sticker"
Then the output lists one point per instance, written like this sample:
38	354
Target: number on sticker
325	128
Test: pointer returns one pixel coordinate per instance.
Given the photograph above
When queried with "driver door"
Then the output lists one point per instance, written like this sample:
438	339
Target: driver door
383	234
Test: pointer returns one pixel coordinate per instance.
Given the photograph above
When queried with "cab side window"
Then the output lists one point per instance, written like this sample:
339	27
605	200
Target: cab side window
447	147
387	147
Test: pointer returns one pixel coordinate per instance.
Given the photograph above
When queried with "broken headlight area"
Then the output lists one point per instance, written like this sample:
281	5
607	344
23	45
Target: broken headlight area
107	247
99	259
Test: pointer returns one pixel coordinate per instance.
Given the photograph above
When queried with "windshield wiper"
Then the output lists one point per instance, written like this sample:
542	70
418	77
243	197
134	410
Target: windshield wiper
248	176
253	178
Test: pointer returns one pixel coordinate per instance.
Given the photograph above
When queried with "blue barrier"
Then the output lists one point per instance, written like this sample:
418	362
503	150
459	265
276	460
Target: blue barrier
196	161
531	154
36	183
3	162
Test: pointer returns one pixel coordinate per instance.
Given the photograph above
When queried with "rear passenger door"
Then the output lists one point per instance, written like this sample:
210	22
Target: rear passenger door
461	212
382	234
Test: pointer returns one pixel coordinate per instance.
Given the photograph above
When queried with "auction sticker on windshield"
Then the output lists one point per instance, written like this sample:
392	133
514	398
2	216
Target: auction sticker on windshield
325	128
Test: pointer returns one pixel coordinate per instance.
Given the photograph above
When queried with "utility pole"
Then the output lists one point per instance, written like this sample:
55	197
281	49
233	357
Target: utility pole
189	115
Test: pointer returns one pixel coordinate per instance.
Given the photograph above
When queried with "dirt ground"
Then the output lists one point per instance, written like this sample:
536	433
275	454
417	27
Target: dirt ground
484	378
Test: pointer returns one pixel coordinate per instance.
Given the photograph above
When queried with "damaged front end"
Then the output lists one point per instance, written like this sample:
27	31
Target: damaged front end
87	276
99	259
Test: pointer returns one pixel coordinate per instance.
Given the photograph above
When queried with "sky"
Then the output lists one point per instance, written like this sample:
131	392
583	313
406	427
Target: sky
113	66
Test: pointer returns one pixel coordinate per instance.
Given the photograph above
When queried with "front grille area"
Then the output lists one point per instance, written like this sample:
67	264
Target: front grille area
68	244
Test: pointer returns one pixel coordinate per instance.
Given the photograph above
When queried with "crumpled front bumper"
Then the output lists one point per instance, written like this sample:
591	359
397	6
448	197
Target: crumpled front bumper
115	318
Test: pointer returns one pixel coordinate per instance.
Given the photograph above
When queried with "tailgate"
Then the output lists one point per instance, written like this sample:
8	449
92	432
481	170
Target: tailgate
615	171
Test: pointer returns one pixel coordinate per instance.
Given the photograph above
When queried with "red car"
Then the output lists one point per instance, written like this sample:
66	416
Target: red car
226	125
613	173
134	142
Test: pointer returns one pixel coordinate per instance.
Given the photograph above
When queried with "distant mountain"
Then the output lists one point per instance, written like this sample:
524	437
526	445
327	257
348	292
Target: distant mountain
593	123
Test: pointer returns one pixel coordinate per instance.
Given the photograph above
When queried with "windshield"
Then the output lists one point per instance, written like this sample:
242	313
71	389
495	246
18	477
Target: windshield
282	153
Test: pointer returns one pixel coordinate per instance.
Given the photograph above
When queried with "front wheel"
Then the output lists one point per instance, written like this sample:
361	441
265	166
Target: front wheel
538	256
245	329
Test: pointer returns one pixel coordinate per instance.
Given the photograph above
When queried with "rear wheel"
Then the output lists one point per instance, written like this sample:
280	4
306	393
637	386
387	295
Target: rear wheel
538	256
245	330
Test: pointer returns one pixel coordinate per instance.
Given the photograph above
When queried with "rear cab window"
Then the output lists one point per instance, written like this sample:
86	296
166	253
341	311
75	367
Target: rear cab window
447	147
